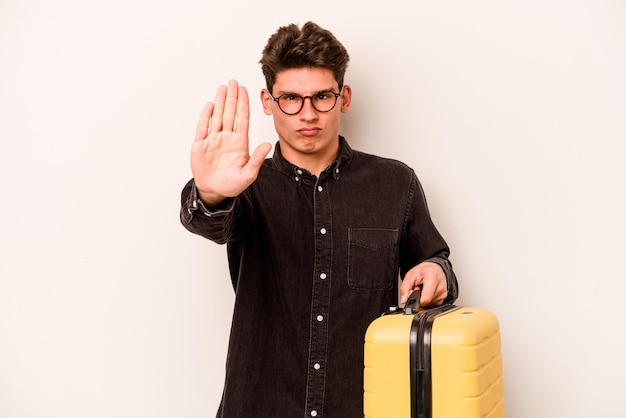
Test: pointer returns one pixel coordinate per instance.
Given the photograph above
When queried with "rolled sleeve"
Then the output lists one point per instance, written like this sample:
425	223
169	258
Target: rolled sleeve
451	280
197	218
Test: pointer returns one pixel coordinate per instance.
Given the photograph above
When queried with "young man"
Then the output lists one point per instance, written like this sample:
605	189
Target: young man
316	235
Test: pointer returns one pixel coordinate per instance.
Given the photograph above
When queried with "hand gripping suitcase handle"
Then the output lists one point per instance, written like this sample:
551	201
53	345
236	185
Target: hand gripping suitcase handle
412	304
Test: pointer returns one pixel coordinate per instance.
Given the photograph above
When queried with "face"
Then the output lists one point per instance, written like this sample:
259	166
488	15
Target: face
309	136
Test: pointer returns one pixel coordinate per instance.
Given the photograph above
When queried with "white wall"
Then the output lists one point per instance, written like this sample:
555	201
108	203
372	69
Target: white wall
512	113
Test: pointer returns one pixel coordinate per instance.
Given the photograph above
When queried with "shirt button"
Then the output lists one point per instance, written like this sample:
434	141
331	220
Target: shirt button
320	188
323	231
323	276
314	413
316	366
320	318
299	172
297	178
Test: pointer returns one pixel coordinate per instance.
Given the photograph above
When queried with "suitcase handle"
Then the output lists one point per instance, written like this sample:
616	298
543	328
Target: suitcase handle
412	304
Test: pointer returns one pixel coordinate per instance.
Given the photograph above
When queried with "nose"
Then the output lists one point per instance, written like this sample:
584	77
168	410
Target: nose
308	111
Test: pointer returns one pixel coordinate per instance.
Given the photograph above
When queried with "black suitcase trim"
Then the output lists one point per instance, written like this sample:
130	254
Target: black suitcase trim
421	376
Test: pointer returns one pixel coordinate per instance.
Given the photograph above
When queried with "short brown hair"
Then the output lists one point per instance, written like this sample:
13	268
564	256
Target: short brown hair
312	46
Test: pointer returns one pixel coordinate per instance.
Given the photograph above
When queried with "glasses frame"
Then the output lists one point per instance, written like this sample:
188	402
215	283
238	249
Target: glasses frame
276	99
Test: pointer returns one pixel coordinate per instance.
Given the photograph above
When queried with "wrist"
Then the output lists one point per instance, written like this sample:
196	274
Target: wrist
210	200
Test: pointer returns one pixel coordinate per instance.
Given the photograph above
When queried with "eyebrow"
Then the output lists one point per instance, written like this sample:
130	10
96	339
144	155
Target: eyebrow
282	93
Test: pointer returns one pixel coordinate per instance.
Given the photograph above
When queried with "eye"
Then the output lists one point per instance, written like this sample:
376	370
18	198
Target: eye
323	95
290	97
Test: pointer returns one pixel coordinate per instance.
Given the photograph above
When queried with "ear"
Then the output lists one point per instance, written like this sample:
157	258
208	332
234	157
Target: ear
266	101
346	98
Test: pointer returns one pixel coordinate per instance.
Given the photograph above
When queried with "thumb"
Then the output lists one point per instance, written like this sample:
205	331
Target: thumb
260	152
256	159
405	289
403	297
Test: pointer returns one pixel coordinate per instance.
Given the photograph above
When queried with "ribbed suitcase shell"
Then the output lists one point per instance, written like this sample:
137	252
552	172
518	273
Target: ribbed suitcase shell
464	366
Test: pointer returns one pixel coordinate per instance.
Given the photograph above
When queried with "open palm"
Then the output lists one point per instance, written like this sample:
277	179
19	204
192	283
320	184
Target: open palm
221	163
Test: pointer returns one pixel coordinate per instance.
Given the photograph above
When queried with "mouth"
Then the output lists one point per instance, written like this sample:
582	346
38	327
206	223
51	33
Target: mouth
309	131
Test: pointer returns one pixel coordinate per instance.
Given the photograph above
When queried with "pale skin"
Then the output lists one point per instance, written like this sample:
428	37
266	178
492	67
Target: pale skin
223	167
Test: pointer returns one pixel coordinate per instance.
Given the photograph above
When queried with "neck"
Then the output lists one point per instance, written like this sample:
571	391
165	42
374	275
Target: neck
314	165
314	162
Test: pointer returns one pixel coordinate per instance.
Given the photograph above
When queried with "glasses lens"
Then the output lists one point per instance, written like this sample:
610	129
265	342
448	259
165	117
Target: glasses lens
290	103
324	101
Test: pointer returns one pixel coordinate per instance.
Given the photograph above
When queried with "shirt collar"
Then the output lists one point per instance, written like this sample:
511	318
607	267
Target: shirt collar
336	168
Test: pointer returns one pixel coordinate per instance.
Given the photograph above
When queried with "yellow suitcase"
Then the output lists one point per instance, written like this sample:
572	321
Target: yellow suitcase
443	362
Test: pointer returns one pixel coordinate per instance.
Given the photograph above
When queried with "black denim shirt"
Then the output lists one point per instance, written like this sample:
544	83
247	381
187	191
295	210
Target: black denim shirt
313	261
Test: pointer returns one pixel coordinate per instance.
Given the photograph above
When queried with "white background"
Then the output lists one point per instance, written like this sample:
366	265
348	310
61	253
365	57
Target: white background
511	112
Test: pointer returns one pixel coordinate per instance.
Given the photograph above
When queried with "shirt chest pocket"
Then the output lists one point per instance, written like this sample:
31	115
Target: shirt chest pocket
372	256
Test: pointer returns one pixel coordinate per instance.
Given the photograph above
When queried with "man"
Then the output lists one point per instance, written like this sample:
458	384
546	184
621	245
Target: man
316	235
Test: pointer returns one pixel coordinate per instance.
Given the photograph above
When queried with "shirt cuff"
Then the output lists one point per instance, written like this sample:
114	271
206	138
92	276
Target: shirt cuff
451	281
194	205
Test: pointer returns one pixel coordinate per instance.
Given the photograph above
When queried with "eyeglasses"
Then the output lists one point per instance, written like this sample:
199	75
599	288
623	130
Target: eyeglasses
291	103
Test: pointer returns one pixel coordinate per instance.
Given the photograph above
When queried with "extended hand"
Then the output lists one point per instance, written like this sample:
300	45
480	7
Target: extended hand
220	158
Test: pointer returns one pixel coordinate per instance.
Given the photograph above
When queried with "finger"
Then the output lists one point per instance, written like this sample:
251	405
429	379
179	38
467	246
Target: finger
202	129
434	290
231	105
428	293
218	110
442	296
243	112
409	284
